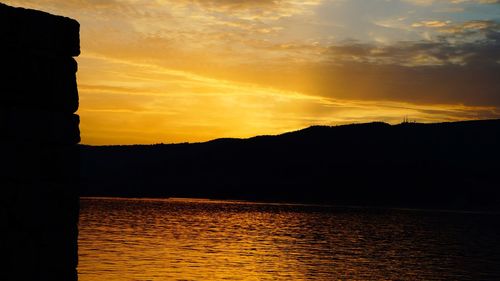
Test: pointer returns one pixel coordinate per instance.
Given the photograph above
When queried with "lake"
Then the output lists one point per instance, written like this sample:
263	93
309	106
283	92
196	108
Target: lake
194	239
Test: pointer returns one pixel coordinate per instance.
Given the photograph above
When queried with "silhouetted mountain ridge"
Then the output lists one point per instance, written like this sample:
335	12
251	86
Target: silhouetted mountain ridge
448	165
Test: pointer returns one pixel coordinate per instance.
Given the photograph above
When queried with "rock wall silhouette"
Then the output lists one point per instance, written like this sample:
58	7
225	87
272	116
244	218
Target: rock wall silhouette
38	145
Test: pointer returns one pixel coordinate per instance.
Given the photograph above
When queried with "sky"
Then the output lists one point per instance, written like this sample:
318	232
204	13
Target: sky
170	71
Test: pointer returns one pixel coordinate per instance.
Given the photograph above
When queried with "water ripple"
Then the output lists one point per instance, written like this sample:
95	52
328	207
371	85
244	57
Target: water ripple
186	239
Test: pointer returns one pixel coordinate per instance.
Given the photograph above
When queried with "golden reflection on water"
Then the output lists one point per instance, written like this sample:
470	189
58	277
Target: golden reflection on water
187	239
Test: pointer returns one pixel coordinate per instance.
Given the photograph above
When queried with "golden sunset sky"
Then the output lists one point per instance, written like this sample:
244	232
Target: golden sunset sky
161	71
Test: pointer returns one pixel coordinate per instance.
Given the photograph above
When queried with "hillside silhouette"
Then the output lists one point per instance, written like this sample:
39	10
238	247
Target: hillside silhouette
441	165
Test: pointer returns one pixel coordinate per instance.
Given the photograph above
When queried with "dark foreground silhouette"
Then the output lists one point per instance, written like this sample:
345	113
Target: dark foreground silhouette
38	135
444	165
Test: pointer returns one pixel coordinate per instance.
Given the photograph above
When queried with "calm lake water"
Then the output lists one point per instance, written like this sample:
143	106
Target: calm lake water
187	239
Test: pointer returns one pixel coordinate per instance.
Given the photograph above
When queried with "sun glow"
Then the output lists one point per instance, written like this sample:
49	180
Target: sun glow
176	71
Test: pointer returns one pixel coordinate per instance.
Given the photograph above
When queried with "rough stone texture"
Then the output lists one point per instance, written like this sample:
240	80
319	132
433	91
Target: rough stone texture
25	76
39	126
25	29
38	146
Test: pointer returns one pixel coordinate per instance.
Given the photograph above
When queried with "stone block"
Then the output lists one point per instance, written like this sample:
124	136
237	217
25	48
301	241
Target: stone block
41	207
39	231
30	258
26	29
27	163
39	127
20	162
33	81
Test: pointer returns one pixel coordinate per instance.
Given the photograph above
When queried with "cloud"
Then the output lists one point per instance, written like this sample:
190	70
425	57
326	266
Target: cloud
445	71
171	71
483	27
157	101
449	84
431	2
431	23
465	43
259	8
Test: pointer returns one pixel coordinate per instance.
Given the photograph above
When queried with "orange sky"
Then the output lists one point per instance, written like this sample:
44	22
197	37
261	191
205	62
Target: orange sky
193	70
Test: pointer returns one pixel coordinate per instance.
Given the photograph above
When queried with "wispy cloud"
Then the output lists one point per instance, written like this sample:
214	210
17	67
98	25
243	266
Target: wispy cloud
431	2
191	70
